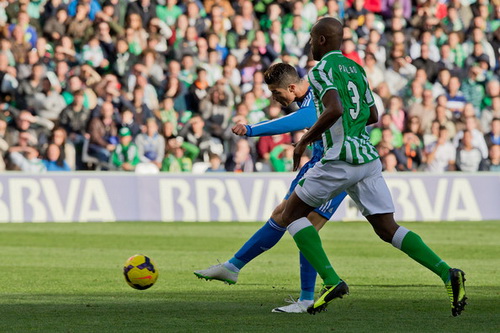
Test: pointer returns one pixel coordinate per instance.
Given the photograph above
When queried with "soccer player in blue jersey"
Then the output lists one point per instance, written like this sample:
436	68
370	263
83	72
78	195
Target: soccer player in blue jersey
286	87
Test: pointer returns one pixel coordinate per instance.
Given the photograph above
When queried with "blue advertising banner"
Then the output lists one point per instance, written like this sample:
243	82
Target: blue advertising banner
86	197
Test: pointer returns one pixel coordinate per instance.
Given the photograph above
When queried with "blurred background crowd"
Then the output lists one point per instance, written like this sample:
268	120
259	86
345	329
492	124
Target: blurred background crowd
157	85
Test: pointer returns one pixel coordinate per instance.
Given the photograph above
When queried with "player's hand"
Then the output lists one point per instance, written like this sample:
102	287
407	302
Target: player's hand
300	147
239	129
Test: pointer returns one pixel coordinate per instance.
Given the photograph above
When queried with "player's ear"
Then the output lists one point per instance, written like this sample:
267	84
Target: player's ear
322	39
291	88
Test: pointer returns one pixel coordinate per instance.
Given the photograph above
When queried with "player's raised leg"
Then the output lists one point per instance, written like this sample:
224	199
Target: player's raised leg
373	197
413	245
264	239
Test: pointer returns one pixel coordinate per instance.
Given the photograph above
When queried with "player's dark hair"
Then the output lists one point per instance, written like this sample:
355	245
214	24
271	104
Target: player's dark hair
281	74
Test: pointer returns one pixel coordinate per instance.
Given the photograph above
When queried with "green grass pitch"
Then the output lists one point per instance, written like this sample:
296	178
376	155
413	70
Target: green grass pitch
68	278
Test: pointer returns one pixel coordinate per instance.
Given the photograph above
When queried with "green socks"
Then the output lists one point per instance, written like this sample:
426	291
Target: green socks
309	243
411	244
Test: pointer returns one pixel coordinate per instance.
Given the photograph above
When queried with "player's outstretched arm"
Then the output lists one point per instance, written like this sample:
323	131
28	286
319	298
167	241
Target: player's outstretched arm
296	121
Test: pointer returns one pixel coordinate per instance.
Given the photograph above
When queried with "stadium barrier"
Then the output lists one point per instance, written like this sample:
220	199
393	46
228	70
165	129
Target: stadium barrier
87	197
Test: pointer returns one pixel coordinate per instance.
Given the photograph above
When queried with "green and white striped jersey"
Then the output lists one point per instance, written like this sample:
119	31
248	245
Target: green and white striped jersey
347	139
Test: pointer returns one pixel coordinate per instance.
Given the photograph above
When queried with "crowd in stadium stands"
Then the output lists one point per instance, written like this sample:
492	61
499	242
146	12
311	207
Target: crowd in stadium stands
157	85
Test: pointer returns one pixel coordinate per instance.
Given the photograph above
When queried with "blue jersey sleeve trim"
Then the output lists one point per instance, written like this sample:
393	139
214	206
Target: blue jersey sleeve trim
249	130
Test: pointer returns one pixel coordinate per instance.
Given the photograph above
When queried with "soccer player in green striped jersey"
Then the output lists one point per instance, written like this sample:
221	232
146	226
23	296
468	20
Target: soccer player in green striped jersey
345	106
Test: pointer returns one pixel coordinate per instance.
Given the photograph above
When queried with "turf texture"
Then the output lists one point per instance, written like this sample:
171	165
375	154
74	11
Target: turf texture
67	277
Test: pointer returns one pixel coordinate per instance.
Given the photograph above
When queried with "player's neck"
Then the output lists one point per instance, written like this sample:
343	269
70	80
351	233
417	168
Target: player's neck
301	88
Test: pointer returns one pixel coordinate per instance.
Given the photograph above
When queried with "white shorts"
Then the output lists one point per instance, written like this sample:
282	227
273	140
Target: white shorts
364	183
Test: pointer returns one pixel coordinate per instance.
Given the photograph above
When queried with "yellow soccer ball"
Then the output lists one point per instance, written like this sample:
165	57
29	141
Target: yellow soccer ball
140	272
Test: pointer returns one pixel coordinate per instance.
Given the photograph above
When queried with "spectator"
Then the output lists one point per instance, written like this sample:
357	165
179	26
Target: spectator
493	137
390	163
424	111
473	89
28	31
398	115
124	59
489	113
281	158
440	155
198	90
386	123
49	103
146	9
53	159
398	76
194	133
55	27
91	7
26	159
79	25
151	144
103	133
444	117
169	12
493	162
478	140
215	110
179	156
241	160
430	66
469	158
409	155
20	47
36	128
374	74
456	100
296	37
67	151
126	156
266	144
215	164
432	133
31	86
141	109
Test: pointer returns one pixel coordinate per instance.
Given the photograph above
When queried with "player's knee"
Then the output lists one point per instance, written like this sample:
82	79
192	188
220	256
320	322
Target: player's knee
285	218
317	220
384	235
278	213
384	226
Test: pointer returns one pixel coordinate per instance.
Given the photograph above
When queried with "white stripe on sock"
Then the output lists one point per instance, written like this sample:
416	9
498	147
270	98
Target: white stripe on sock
399	235
298	225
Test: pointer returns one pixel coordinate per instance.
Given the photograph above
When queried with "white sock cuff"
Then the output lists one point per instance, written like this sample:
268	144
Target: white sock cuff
298	225
399	235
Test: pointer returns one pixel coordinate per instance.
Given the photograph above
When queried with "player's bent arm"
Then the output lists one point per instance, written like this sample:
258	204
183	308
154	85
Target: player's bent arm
333	111
373	115
296	121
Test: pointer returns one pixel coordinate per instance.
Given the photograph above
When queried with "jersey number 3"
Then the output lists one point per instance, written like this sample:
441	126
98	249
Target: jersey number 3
355	99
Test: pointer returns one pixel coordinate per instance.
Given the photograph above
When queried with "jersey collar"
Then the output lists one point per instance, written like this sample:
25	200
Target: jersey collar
337	52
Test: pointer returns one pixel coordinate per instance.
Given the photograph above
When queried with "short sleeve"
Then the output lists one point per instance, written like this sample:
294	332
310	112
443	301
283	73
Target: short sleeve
368	93
320	80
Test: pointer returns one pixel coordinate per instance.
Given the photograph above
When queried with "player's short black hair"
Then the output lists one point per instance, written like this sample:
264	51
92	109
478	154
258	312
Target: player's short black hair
281	74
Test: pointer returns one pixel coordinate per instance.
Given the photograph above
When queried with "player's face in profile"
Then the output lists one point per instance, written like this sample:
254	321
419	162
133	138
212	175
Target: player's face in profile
314	45
281	95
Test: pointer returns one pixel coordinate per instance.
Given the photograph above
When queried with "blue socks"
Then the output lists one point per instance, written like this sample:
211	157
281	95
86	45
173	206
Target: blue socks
307	279
264	239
